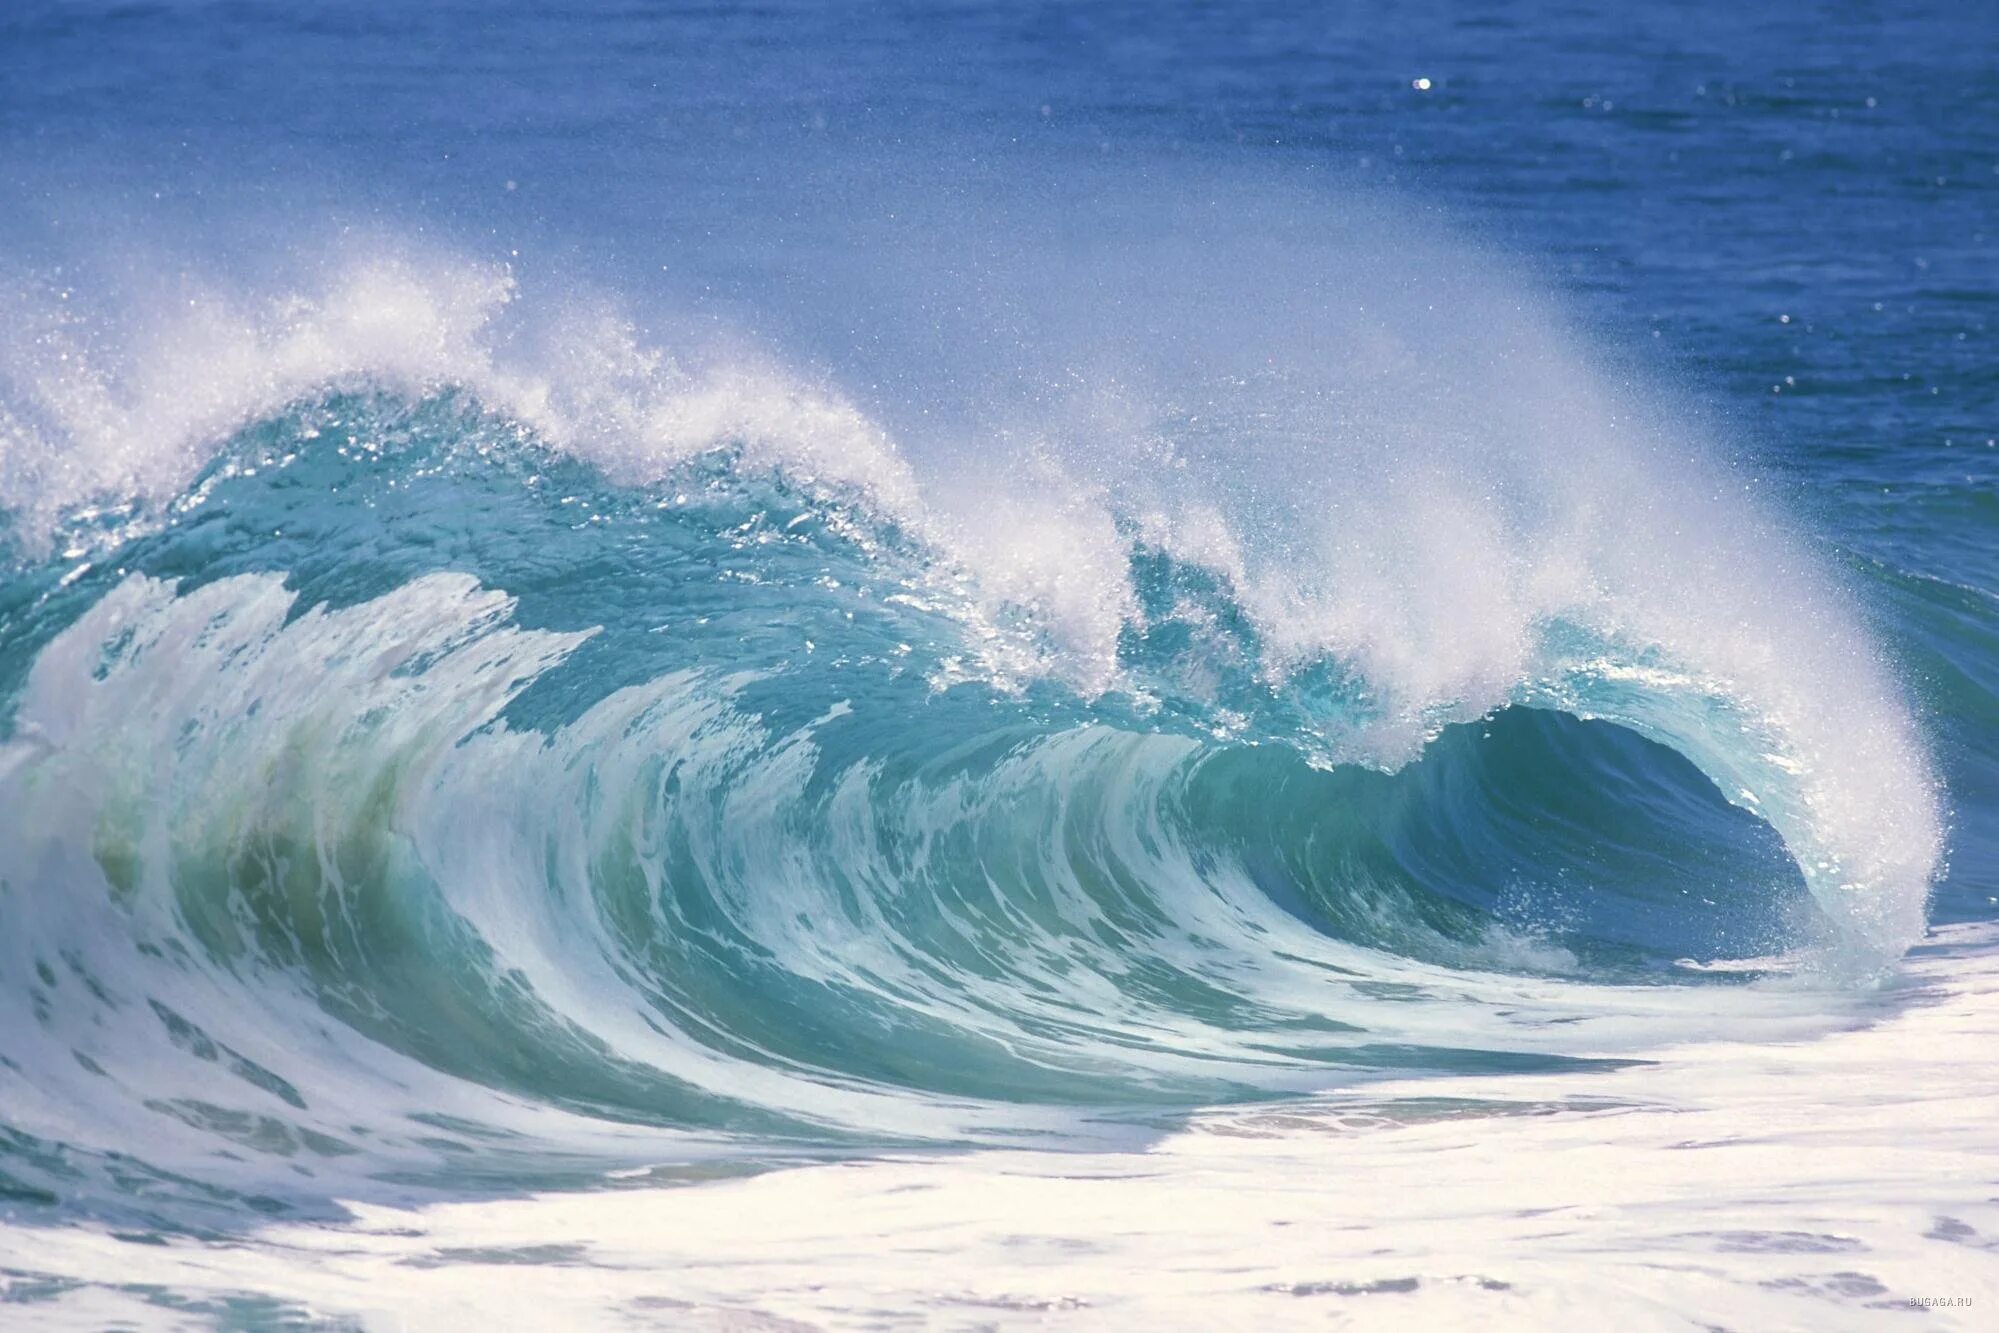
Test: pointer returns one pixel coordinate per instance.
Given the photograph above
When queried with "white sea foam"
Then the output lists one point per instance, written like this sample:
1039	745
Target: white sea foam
1838	1184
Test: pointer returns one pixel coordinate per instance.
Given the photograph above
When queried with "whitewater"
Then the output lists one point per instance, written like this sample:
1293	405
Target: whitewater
952	731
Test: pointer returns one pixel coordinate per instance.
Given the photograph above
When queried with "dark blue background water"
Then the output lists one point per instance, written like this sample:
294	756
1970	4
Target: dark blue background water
1789	208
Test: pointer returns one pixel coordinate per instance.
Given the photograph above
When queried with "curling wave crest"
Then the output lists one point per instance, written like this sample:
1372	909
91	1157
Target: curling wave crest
469	718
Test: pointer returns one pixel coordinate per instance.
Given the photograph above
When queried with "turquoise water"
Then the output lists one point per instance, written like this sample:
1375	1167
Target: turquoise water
606	586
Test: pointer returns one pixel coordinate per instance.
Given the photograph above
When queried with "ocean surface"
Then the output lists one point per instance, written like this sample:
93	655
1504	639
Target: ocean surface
965	665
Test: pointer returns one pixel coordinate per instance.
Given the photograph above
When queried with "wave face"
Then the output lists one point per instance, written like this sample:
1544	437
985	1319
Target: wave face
454	734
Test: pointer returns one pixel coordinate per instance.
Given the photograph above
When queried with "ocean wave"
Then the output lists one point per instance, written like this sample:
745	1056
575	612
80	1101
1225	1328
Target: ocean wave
430	705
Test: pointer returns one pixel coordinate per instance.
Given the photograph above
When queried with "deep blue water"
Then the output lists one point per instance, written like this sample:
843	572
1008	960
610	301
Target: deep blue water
819	574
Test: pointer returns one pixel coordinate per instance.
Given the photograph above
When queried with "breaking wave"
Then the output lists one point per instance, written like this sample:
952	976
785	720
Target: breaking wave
448	722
